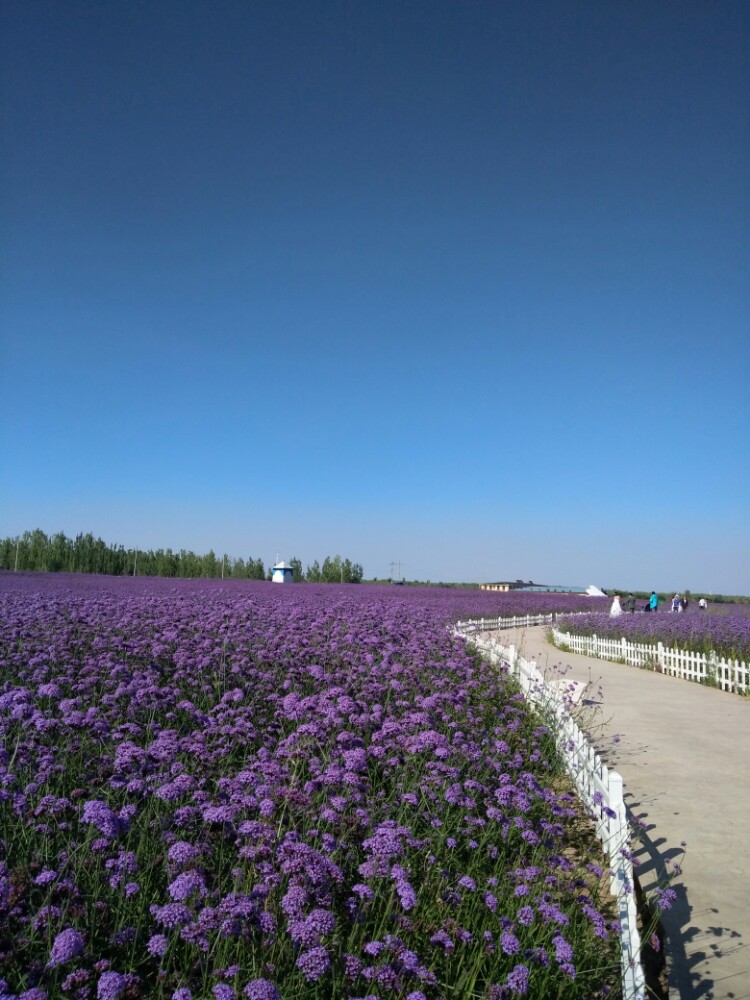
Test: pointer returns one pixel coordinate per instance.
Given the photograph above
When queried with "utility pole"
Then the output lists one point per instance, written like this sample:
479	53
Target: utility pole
222	565
135	561
18	542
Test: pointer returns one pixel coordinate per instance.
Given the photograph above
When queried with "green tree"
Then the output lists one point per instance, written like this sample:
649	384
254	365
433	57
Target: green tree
332	570
84	558
60	553
8	553
87	554
189	564
119	560
255	569
209	565
167	563
36	549
313	573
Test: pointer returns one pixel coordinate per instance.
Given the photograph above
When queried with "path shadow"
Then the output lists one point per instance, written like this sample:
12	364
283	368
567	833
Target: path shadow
619	751
683	928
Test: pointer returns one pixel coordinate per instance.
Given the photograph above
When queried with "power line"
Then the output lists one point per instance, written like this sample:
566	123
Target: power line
396	562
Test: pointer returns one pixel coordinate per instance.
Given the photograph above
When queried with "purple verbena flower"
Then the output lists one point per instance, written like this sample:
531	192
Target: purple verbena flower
157	945
183	853
314	963
563	950
509	943
110	986
526	916
261	989
99	814
45	877
67	945
518	979
185	885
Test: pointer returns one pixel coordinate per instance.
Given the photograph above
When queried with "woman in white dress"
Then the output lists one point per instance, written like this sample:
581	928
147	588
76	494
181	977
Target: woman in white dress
615	610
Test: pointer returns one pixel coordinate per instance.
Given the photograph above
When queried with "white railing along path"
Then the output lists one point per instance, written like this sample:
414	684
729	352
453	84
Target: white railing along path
599	788
476	625
728	674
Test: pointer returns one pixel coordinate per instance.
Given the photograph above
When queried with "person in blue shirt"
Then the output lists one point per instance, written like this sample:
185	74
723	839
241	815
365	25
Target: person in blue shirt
653	602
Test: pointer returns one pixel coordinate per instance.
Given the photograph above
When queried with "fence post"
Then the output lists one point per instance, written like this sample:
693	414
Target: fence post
712	670
624	649
660	658
617	804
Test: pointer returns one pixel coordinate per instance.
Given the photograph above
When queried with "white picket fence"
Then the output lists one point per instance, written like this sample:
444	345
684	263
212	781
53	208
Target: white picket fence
478	625
728	674
599	788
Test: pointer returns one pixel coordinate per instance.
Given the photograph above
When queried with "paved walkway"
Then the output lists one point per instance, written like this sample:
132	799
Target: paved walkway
684	755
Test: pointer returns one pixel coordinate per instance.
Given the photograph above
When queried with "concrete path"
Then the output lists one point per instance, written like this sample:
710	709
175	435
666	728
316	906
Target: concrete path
684	755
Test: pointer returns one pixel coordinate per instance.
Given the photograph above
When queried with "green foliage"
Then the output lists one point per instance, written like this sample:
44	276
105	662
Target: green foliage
710	680
331	571
313	572
255	569
37	552
337	570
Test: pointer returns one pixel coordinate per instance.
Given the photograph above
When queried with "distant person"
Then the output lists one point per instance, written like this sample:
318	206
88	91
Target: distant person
684	603
676	603
703	604
630	604
615	610
653	602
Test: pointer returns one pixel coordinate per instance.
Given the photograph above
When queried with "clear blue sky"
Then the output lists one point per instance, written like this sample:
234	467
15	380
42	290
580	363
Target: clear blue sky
464	284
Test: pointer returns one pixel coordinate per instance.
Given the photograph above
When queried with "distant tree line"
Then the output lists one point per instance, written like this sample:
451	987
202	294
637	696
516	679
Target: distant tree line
35	550
336	570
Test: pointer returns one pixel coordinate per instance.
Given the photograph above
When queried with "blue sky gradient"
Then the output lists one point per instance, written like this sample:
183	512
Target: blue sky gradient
463	285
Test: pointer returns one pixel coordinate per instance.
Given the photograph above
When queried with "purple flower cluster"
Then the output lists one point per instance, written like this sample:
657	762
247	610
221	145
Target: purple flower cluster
237	790
67	945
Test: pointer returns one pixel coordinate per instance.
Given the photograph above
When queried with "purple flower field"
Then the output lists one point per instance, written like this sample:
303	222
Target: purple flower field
248	790
727	635
447	603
